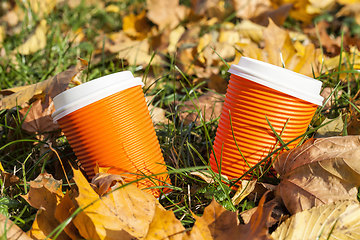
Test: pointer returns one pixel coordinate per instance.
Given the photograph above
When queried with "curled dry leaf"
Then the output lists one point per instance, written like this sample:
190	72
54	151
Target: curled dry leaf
209	104
338	220
206	176
246	188
320	171
9	230
104	181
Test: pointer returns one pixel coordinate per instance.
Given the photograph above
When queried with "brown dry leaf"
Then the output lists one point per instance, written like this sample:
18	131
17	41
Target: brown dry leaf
104	181
9	230
45	194
353	127
246	188
216	223
38	117
318	172
278	15
166	14
124	213
165	226
136	26
338	220
36	42
220	224
8	179
51	87
210	105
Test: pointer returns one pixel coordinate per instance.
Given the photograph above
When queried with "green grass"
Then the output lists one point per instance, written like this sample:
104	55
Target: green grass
184	146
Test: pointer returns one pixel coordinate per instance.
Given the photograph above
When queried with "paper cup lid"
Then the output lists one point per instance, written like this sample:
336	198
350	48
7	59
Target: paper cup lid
280	79
92	91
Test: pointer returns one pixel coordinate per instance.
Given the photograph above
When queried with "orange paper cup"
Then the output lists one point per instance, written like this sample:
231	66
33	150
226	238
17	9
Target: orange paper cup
257	91
107	122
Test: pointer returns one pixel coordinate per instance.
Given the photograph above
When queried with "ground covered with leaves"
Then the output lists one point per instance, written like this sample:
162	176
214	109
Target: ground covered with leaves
182	51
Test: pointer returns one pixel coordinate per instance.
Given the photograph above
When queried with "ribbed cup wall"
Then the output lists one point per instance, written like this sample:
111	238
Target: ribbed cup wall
249	103
117	132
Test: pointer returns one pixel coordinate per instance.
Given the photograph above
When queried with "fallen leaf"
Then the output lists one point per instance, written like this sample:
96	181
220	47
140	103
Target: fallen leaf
281	51
123	213
350	10
136	26
104	181
338	220
9	179
165	226
51	87
9	230
216	223
45	193
37	117
333	127
35	42
248	29
249	9
42	8
353	127
246	188
133	51
63	211
306	10
209	105
330	96
206	176
210	8
166	14
174	38
278	15
221	224
318	172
